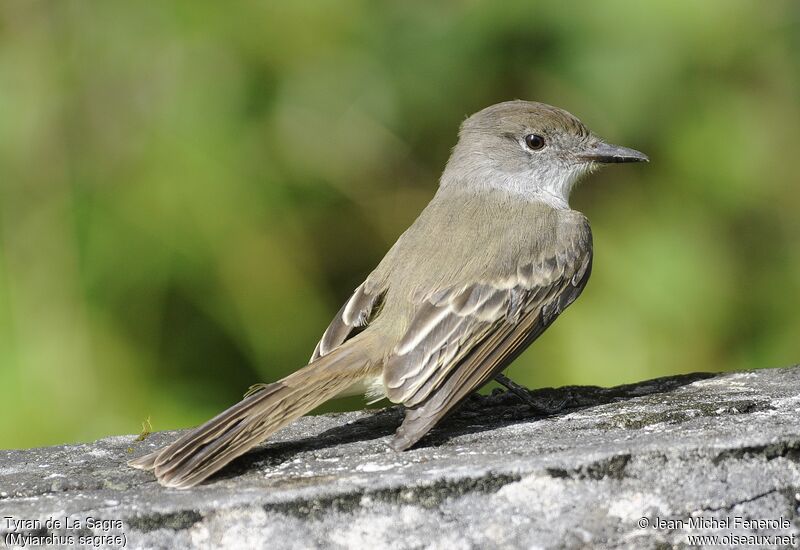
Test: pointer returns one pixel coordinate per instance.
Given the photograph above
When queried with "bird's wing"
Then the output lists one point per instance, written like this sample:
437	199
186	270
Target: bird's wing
355	315
460	338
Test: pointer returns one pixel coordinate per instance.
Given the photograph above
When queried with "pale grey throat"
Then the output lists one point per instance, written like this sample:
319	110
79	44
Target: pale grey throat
551	184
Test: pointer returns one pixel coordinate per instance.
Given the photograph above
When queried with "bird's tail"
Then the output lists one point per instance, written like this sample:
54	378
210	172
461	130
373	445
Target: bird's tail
263	411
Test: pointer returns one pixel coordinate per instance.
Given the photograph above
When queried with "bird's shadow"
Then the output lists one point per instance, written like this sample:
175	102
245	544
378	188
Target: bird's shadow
477	414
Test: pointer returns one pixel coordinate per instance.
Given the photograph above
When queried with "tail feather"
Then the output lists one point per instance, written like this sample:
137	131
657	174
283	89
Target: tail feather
211	446
209	436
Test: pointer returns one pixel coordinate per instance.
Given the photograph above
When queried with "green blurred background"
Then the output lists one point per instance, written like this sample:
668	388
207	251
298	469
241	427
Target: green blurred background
189	190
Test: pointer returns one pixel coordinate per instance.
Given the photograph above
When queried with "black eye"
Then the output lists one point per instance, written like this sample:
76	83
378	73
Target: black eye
534	141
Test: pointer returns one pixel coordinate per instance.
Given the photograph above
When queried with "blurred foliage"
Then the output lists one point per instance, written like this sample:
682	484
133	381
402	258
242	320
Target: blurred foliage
189	190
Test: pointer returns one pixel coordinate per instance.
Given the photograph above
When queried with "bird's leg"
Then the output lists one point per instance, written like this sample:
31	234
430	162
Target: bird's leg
525	395
518	390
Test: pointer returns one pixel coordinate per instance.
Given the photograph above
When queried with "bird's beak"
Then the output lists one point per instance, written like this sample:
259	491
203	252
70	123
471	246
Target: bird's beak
600	151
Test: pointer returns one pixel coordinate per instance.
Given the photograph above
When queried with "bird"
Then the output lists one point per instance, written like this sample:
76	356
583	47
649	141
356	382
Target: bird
490	263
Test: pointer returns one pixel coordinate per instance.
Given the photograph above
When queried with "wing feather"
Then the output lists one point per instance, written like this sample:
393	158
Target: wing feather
355	314
460	338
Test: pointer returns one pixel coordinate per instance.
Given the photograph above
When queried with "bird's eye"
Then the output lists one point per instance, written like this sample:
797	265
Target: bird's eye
534	141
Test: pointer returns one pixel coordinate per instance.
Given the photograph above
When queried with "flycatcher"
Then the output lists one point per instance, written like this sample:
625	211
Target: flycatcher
489	264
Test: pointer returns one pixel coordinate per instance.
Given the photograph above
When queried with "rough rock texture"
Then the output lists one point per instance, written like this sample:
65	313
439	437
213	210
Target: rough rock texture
704	448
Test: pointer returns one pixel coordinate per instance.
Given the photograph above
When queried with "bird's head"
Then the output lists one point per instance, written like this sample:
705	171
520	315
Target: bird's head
529	148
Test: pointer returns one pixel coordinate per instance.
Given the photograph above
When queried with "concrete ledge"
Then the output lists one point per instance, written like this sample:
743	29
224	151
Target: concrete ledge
701	449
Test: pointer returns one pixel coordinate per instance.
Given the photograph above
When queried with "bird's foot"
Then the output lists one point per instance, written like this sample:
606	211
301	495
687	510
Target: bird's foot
538	406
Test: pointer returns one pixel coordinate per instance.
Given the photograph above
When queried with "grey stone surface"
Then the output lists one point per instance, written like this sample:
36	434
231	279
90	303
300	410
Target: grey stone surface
704	448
